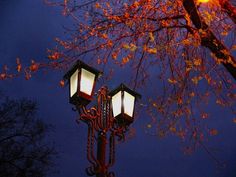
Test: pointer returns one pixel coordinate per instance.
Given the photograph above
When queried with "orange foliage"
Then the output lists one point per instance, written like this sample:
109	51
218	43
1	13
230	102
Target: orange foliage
165	45
34	66
54	56
3	76
234	120
62	83
18	67
213	132
162	43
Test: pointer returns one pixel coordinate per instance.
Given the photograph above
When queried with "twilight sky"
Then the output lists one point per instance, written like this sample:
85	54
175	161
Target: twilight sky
27	29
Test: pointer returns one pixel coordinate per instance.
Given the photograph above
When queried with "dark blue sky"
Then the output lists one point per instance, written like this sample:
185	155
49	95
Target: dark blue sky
27	29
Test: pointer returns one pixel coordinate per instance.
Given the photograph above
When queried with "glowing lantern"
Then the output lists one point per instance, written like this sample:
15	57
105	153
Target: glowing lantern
123	102
82	79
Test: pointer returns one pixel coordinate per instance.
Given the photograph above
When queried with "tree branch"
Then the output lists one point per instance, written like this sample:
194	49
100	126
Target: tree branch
229	9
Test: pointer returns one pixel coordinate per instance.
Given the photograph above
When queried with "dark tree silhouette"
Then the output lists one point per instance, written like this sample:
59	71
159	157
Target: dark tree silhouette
23	150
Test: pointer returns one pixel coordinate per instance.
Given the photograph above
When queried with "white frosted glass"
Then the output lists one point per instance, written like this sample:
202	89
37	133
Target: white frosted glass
73	83
87	81
128	104
116	104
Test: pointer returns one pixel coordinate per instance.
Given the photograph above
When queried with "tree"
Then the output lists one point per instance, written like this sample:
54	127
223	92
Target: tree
23	149
187	46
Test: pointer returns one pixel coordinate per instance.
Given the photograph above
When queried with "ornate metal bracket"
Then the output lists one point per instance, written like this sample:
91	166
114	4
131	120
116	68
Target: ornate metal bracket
101	122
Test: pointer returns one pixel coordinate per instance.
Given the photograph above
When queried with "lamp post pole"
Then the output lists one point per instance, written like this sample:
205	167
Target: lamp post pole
101	153
106	122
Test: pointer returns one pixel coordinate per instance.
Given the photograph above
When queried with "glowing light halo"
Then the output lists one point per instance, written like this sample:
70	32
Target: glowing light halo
203	1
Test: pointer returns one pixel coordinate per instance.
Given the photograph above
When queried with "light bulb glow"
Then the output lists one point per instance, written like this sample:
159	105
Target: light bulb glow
73	83
203	1
128	104
116	104
87	81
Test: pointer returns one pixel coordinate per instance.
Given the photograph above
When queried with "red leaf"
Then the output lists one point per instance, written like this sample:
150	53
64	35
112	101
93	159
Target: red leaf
3	76
62	83
234	120
34	66
213	132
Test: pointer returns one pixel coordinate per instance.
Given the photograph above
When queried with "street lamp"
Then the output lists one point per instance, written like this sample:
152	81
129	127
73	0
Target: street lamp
123	100
111	116
82	80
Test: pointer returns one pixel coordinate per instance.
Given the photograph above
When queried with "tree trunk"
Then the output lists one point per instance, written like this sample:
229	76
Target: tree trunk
209	40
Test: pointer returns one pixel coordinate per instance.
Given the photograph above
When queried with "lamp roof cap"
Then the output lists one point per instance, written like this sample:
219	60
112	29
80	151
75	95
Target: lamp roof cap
79	64
123	87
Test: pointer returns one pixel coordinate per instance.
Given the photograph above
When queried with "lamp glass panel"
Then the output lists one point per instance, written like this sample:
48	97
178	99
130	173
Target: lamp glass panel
116	104
128	104
87	81
73	83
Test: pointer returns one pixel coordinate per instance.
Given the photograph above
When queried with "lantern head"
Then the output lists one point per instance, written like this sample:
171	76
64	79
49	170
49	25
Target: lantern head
123	101
82	79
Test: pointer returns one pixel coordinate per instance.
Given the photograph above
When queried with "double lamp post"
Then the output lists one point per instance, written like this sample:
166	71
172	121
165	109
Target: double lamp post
109	119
